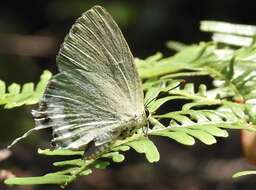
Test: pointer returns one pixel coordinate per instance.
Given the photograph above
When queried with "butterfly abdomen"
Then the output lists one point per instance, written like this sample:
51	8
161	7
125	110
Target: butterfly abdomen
92	151
130	127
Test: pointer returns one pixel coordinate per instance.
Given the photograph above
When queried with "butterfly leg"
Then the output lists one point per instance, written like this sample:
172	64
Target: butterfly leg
93	152
145	129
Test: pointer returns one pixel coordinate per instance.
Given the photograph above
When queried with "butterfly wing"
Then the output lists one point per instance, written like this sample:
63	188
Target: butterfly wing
82	106
98	89
95	43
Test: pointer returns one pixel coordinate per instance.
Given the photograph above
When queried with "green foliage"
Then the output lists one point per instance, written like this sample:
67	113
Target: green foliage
15	95
244	173
200	113
228	33
79	167
147	147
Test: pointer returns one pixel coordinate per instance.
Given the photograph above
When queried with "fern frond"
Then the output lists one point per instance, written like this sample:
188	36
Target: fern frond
184	127
238	79
233	71
78	167
189	58
228	33
186	92
188	123
15	95
204	125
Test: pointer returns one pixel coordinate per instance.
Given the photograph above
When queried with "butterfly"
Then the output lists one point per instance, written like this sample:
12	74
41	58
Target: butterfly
97	97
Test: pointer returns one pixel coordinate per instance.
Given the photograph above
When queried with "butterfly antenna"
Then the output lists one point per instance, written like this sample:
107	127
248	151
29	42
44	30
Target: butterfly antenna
154	98
178	85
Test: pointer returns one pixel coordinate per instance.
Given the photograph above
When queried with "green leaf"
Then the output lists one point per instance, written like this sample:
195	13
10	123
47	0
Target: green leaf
181	60
146	146
115	156
228	28
213	130
68	171
14	89
41	86
178	136
101	164
74	162
86	172
204	137
244	173
49	152
191	53
46	179
121	148
27	95
176	46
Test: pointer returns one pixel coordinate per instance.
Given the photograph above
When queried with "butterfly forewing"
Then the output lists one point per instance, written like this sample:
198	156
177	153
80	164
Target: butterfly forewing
95	43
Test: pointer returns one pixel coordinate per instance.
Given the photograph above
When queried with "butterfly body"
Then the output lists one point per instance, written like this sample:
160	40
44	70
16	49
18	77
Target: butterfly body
130	127
95	148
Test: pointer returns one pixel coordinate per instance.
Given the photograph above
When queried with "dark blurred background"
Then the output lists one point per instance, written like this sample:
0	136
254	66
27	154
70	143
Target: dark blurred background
30	35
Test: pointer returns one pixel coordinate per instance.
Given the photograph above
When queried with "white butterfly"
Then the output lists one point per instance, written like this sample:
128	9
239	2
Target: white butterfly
97	97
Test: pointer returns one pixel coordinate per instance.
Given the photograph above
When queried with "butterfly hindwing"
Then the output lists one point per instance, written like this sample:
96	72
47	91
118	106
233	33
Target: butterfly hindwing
79	108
